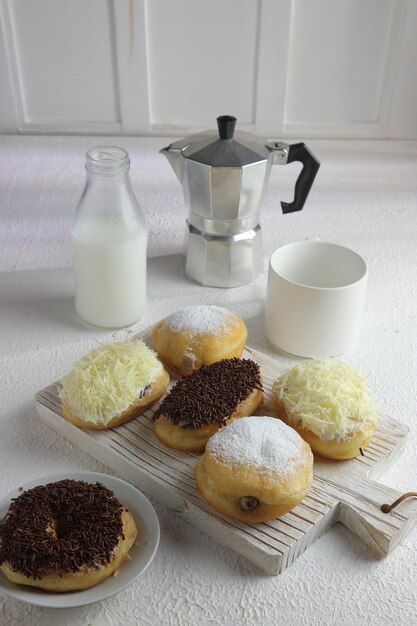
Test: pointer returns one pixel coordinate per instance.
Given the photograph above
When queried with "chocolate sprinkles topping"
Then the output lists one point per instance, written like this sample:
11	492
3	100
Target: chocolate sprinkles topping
62	526
211	394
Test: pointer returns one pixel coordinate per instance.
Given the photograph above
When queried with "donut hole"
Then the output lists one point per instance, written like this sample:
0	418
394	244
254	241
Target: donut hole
189	363
61	527
58	528
248	503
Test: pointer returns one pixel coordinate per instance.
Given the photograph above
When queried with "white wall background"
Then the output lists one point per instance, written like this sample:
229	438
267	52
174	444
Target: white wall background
296	68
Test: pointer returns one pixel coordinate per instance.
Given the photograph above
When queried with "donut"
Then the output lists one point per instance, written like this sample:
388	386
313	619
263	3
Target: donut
65	536
198	405
198	335
255	469
112	384
330	404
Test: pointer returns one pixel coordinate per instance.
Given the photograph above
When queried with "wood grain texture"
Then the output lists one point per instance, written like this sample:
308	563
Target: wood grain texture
343	491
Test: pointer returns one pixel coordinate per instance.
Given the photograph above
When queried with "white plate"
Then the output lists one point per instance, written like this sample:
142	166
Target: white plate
141	553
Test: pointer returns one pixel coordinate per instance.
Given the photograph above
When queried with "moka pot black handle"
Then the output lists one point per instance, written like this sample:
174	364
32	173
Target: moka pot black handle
283	153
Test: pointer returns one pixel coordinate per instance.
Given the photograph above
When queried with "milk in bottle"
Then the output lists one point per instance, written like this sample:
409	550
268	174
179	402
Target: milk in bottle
109	243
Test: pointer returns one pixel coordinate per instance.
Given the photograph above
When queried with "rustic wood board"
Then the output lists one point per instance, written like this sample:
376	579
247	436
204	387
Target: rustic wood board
341	492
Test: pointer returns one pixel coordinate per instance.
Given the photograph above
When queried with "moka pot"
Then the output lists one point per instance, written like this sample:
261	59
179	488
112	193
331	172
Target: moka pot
223	176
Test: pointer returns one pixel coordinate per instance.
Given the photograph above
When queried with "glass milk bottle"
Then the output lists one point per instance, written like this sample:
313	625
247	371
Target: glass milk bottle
109	243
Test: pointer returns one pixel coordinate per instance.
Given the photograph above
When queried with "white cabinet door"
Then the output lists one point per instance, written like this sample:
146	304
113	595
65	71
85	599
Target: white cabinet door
300	68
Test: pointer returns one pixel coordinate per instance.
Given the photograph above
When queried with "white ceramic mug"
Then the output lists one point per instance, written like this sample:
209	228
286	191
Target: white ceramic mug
315	298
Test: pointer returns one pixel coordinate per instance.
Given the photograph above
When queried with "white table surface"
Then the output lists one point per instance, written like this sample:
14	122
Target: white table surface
365	197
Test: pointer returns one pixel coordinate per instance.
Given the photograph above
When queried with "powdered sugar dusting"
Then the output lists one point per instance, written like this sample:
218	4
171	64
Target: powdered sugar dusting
264	442
201	319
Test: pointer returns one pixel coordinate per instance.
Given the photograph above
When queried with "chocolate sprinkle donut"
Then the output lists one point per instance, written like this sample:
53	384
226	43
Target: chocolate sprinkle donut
211	394
62	526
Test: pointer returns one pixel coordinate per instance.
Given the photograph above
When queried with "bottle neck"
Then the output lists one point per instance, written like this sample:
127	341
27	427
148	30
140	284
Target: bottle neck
108	202
107	162
107	179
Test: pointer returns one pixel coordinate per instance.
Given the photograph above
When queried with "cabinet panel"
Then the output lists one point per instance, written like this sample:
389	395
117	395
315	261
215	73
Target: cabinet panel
342	60
63	60
202	60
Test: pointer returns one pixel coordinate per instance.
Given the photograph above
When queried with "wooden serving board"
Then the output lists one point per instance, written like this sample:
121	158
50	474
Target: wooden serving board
342	491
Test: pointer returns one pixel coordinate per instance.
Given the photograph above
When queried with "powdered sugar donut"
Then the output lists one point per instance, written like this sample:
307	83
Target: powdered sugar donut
255	469
198	335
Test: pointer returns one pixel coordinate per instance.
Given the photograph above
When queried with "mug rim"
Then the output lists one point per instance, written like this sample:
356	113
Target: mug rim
328	244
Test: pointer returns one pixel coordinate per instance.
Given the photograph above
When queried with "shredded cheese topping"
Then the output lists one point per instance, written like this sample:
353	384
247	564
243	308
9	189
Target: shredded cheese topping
328	397
108	380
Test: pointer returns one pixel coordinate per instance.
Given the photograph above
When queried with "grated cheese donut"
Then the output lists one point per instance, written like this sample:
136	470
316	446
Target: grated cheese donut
113	384
198	335
255	469
329	404
65	536
198	405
